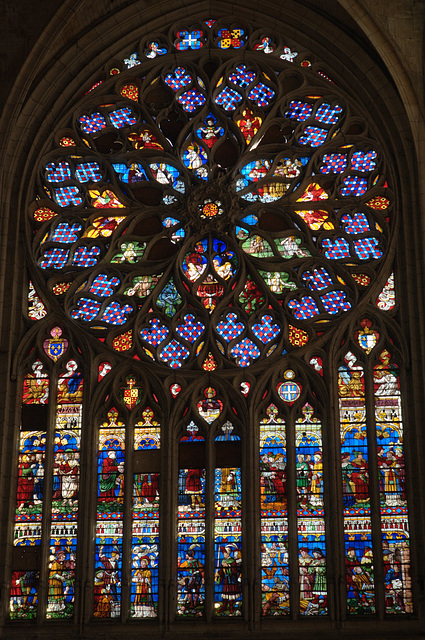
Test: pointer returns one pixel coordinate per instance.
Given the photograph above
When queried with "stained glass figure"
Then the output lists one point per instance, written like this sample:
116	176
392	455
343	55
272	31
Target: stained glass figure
210	408
65	498
144	139
251	297
392	486
288	55
110	513
249	124
274	516
355	479
155	50
145	532
30	493
210	132
194	157
191	524
311	523
227	529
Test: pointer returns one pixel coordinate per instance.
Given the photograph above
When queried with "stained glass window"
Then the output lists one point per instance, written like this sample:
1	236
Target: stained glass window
208	223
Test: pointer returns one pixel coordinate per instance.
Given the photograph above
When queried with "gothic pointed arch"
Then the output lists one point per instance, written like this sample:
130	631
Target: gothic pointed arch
214	375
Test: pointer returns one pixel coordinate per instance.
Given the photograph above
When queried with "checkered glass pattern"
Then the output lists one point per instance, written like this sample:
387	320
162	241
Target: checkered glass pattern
242	77
304	308
230	328
313	136
189	329
104	286
66	196
261	94
266	330
88	172
361	161
156	334
317	279
173	354
54	258
122	118
337	249
328	115
299	111
178	79
116	314
245	352
354	186
335	301
86	310
58	172
93	123
334	163
228	99
367	249
355	224
65	234
85	257
191	100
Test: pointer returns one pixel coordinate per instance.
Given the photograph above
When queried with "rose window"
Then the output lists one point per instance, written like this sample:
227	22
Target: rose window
215	210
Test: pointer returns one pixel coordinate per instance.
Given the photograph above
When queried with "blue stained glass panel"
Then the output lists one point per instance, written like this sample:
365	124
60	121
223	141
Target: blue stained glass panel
58	172
174	353
245	352
327	114
178	79
191	100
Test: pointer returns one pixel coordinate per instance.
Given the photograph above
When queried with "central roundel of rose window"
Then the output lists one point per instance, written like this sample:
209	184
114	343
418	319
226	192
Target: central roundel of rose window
223	212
